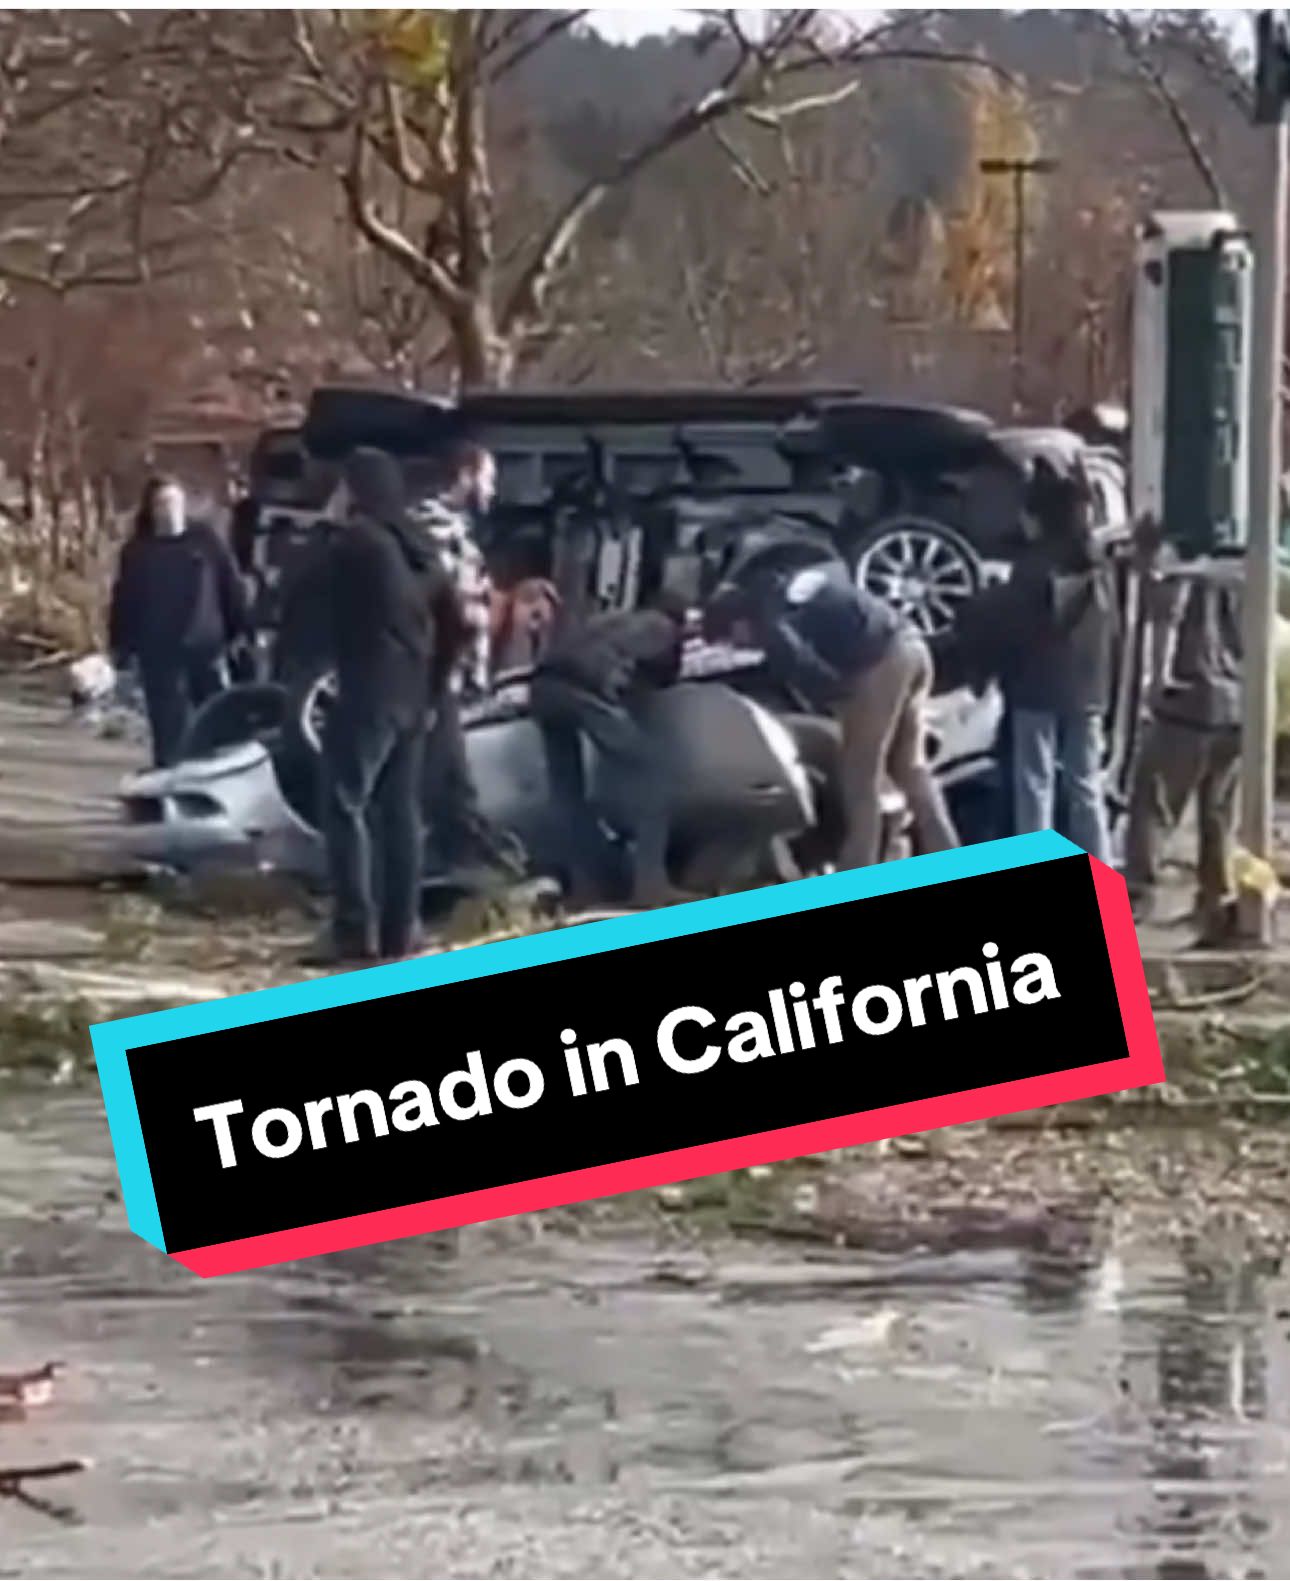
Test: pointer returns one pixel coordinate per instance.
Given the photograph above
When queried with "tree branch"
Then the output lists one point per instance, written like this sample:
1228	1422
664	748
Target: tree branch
558	26
1126	31
745	87
429	271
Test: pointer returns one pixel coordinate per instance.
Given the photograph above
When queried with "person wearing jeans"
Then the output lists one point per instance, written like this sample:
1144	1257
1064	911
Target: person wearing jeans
1046	633
1046	743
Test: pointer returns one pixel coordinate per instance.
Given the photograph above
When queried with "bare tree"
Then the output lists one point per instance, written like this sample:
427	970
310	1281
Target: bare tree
107	161
401	109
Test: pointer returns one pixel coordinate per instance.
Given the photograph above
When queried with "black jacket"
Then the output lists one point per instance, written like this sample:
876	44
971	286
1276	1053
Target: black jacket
818	630
391	625
1046	633
304	639
617	654
175	597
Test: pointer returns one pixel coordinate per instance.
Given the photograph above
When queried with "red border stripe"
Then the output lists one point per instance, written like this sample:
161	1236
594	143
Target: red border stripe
1126	967
1142	1067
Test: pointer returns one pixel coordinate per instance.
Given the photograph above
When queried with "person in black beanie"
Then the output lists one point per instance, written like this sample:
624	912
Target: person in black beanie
394	634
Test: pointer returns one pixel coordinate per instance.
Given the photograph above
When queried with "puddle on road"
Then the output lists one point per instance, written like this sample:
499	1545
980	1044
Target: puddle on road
534	1403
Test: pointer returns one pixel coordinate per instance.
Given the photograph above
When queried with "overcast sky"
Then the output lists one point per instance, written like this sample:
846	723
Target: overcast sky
625	23
631	22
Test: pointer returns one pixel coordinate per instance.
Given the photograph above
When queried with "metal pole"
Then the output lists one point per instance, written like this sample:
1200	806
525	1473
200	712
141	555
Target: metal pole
1019	170
1019	174
1259	710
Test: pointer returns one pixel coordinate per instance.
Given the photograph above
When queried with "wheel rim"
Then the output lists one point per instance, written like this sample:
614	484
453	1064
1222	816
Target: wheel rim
318	700
925	577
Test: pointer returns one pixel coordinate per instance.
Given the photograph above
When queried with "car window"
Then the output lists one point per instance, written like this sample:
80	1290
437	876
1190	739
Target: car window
559	466
645	472
991	509
1110	508
517	473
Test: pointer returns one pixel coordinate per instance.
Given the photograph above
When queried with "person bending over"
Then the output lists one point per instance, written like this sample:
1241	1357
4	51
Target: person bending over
848	654
589	686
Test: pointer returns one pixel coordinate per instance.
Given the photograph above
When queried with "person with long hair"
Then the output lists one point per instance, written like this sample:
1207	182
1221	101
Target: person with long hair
177	607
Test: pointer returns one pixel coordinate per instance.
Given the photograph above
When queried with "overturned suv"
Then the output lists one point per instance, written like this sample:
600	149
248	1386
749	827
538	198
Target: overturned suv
754	795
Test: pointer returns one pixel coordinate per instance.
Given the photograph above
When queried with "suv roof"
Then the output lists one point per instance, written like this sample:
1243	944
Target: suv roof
885	435
669	405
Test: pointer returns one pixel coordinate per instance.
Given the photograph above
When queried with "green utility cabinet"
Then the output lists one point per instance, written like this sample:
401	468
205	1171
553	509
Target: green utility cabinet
1191	381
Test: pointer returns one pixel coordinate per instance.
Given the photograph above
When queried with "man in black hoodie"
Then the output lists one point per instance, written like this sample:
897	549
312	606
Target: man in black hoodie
393	635
589	685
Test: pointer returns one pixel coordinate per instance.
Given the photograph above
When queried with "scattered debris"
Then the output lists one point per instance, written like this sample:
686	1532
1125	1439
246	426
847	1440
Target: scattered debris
19	1393
32	1388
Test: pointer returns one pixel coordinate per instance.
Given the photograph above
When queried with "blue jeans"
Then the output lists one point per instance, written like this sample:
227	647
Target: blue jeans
1045	745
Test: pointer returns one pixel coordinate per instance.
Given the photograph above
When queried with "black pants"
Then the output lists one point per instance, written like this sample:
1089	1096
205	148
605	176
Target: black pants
566	714
460	833
174	688
373	770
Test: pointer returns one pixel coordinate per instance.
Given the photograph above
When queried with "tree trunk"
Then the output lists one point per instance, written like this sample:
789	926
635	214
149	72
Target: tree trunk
484	360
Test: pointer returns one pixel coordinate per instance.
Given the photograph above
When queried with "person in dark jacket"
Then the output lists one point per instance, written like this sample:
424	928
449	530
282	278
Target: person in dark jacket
177	607
1192	744
589	685
1047	634
845	652
393	634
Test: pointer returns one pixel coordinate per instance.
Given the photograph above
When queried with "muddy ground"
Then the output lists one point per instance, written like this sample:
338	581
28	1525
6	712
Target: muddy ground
1058	1346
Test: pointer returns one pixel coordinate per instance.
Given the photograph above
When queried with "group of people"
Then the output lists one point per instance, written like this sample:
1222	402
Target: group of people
402	604
1049	634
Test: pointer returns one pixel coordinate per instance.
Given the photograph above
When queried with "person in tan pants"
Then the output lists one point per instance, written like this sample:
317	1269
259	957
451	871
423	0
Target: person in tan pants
884	737
847	653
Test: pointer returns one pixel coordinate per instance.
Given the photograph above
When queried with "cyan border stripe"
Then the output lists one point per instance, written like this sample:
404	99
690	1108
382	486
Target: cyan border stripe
113	1040
127	1137
564	944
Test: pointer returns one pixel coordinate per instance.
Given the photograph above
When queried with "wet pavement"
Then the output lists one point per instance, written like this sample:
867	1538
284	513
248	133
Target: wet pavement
630	1401
628	1393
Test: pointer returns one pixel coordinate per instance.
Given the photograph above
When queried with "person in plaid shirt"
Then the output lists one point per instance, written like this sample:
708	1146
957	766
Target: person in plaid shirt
445	492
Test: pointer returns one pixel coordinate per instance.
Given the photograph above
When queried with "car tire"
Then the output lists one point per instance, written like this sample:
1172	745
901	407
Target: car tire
923	569
305	689
242	713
